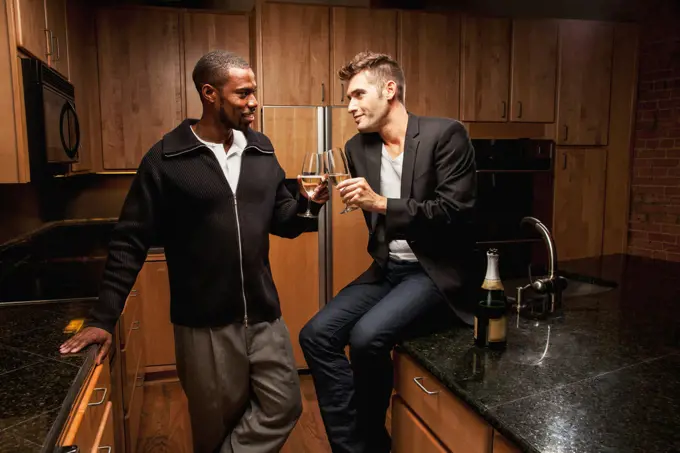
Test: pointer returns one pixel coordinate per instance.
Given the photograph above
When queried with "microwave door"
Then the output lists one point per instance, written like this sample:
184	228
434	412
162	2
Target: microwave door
62	132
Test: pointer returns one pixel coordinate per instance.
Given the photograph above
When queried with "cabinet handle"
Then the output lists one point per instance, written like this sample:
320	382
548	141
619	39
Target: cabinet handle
566	133
323	92
140	381
50	42
135	325
108	449
519	109
505	107
342	93
103	396
422	387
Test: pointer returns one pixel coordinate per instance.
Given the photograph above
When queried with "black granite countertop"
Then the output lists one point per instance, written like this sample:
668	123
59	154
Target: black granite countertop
38	385
605	377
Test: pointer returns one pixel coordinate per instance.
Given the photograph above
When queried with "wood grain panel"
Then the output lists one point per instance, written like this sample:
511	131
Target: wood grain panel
432	72
295	41
204	32
502	445
350	234
410	435
83	65
580	182
159	336
585	82
31	24
485	73
10	110
619	157
534	70
140	81
294	263
293	132
355	30
56	23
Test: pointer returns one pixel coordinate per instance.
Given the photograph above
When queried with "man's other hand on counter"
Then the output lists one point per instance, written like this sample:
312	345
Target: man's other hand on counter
86	337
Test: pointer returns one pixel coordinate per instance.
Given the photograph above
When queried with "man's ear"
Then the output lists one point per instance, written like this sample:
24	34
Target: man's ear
390	90
209	93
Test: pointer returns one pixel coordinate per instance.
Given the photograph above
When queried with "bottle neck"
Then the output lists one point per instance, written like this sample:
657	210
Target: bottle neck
492	279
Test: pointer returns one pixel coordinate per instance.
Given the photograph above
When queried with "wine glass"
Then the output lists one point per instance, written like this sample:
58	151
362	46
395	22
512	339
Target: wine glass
338	170
310	178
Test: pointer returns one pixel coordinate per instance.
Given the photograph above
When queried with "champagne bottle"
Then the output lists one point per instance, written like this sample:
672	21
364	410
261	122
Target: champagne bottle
490	318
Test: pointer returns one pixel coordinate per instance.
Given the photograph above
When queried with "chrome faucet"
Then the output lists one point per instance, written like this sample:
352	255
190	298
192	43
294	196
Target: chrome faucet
551	286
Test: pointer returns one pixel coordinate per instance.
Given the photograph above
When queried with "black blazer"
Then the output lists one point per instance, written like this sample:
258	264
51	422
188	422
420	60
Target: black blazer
435	212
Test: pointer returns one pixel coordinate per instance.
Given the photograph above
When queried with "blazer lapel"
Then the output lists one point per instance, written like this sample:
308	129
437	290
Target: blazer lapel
410	152
373	152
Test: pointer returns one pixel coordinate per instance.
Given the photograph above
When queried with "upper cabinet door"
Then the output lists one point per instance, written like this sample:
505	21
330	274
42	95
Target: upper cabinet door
295	43
140	82
355	30
534	70
432	71
32	32
586	49
485	84
204	32
56	24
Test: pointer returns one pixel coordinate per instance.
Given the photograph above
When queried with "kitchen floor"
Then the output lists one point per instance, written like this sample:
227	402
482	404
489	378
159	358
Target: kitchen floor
165	424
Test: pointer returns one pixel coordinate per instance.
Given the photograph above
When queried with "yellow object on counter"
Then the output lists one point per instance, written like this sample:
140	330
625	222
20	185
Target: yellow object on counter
74	326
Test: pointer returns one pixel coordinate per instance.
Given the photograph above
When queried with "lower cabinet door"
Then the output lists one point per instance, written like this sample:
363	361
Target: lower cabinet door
409	435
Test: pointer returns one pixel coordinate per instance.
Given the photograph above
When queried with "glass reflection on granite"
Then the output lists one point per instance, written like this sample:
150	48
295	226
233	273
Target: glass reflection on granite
12	359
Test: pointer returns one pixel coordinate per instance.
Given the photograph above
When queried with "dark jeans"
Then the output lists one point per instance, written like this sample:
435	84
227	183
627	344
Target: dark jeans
371	318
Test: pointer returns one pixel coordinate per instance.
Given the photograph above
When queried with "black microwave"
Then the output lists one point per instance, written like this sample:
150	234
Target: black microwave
51	120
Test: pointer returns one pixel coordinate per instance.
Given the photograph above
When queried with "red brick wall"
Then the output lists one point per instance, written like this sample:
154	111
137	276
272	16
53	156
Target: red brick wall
655	194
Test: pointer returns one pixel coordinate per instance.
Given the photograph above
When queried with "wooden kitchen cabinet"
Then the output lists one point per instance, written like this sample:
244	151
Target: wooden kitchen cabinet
294	262
59	44
409	435
295	61
509	70
534	70
354	30
578	219
503	445
140	83
41	31
159	335
204	32
432	72
31	28
85	79
485	69
586	50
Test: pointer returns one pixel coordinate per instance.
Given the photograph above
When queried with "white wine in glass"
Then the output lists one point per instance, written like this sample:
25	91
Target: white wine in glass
310	178
338	170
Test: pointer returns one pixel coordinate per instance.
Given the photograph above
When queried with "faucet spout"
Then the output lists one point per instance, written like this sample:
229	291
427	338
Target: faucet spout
553	284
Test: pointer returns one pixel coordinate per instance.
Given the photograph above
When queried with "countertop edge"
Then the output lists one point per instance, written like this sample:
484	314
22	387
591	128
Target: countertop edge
50	442
483	411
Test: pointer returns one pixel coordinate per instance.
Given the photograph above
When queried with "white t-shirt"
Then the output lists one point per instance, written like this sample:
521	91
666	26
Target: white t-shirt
390	187
230	161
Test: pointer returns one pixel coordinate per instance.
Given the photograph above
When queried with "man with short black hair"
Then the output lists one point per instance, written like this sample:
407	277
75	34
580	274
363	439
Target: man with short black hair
415	180
211	191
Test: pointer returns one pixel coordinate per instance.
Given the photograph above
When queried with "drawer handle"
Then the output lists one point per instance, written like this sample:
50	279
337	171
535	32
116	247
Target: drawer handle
422	387
140	381
108	449
135	325
103	397
133	293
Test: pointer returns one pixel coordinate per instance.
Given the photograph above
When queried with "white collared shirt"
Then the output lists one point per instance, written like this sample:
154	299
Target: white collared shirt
390	187
230	161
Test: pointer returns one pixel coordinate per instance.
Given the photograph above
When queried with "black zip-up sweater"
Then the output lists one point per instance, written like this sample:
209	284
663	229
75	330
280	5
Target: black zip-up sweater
216	243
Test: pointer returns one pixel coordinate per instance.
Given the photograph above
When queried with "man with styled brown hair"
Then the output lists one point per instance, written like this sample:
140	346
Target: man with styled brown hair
414	179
